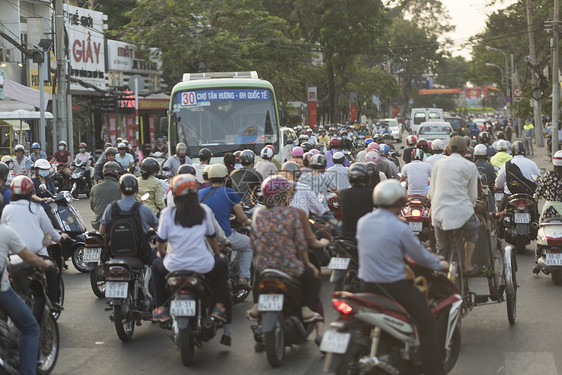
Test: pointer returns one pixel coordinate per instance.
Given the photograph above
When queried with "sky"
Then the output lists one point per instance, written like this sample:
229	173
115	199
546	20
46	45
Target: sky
469	17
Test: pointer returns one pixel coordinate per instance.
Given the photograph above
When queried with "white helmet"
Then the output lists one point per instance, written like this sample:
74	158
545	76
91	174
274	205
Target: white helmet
557	159
438	145
121	145
42	164
480	150
389	193
266	153
502	145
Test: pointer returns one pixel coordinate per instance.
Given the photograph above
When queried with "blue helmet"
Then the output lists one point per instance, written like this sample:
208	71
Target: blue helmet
35	145
368	140
384	149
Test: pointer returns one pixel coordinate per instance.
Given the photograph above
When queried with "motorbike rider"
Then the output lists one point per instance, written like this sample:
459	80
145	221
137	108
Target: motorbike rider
487	172
383	242
311	137
178	159
392	168
361	154
62	156
437	149
501	157
36	152
346	143
303	197
109	154
222	201
107	191
338	172
417	174
373	157
205	156
163	148
323	139
4	188
265	167
21	163
42	172
185	227
411	143
123	157
297	155
355	201
31	222
501	136
148	183
246	181
12	304
84	158
423	145
453	191
484	138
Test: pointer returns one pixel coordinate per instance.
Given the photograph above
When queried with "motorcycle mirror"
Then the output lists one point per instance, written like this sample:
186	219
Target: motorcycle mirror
145	197
42	188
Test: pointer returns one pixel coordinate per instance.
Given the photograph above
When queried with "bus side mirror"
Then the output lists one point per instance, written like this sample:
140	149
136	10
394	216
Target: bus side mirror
282	117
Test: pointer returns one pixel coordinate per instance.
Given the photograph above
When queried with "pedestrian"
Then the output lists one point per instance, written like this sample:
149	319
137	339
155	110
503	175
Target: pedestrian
528	134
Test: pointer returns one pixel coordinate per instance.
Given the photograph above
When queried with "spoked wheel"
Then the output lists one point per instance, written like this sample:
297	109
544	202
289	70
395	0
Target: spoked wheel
350	282
48	345
275	343
78	259
494	251
187	346
124	325
455	256
97	280
510	269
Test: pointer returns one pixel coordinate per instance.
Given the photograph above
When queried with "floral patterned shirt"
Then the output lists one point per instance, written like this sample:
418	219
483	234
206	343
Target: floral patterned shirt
550	188
276	238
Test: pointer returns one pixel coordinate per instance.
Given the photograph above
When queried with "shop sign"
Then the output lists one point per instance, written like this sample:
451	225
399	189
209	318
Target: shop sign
126	57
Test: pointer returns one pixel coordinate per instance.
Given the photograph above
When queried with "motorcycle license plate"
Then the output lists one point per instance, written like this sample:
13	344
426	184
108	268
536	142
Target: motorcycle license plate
335	342
182	308
338	263
270	302
416	226
498	196
116	289
522	217
553	259
92	255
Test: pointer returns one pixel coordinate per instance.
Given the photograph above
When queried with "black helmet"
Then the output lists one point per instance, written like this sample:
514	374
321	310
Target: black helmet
112	168
500	135
247	157
377	138
4	170
386	138
149	166
358	173
518	148
484	137
205	154
187	168
373	172
306	146
453	133
128	184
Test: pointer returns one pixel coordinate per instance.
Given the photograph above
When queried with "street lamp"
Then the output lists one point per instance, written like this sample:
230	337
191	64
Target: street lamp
501	70
506	70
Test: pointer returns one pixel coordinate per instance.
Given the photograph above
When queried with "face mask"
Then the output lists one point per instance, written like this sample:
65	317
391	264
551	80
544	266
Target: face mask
344	137
43	173
61	148
82	149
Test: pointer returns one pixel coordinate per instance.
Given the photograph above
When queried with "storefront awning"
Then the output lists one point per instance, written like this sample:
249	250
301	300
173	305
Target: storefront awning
15	124
24	115
155	101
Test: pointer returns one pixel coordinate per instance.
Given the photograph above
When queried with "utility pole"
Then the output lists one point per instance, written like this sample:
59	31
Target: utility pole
537	108
61	96
555	78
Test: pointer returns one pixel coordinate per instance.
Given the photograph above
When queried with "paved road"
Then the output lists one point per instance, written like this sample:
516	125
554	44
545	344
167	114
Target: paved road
489	345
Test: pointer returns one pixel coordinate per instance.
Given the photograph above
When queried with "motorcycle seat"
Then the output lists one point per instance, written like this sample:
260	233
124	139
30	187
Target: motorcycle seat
275	273
134	263
376	300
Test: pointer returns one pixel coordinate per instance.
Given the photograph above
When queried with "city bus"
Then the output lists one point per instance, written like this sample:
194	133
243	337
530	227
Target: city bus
223	112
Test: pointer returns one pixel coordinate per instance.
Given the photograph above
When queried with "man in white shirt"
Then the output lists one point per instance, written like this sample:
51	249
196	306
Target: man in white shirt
205	156
417	174
303	197
265	167
338	172
453	191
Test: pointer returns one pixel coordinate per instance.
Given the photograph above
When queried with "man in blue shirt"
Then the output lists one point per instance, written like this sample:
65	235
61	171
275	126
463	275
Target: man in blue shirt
36	153
222	201
123	157
4	189
383	241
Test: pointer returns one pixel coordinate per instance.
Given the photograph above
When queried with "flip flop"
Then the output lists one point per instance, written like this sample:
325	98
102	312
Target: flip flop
473	272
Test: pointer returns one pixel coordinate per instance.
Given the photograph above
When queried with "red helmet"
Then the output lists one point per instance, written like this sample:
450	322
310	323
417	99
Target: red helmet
183	184
422	144
21	185
411	140
334	143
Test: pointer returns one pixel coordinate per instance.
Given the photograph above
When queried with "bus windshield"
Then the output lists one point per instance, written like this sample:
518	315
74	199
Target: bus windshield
224	120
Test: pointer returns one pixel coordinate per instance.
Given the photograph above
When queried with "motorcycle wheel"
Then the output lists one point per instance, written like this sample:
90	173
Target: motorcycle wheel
124	326
48	345
455	256
511	297
97	281
275	343
556	277
349	282
450	358
350	363
187	346
60	301
520	245
77	259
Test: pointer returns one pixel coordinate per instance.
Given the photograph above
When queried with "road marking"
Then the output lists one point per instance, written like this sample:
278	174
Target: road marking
530	363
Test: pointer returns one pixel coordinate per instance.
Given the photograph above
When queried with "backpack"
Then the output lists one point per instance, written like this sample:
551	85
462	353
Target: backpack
125	237
515	181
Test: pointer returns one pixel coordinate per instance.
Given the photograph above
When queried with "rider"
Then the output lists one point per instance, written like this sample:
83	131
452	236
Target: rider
297	155
501	136
180	158
453	191
36	152
4	188
346	143
383	242
323	139
338	172
107	191
22	164
417	173
12	304
355	201
163	148
423	145
123	157
303	198
265	167
42	172
109	154
205	156
392	168
148	183
246	181
84	157
438	149
62	156
361	154
484	138
486	169
501	157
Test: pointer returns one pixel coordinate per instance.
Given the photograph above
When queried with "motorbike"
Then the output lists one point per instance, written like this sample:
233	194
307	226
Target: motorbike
416	212
344	265
191	302
322	228
79	184
237	292
128	289
280	323
71	223
61	177
517	226
549	244
333	202
95	257
374	334
498	196
31	285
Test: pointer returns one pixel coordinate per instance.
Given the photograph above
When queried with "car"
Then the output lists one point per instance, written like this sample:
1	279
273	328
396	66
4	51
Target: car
480	122
431	130
394	128
419	115
458	124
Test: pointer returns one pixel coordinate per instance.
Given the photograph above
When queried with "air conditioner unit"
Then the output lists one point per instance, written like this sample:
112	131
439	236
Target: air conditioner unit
214	75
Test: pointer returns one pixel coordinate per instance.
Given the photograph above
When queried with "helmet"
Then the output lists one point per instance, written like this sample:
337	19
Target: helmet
181	147
6	159
467	140
126	141
4	170
119	140
159	140
266	153
373	146
247	157
42	164
19	148
411	140
110	151
418	154
205	154
338	157
378	138
164	138
205	171
480	150
128	184
149	166
62	143
183	184
237	155
373	156
500	135
121	145
368	141
386	138
35	145
273	186
306	146
502	145
557	159
438	145
372	171
358	173
112	168
303	138
290	166
106	145
306	158
218	171
384	149
318	161
422	144
334	143
270	146
297	152
518	148
389	193
484	137
314	151
21	185
309	131
82	145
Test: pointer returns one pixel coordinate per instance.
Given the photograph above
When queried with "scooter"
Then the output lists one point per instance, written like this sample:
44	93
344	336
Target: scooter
549	244
344	265
518	227
61	178
78	182
416	212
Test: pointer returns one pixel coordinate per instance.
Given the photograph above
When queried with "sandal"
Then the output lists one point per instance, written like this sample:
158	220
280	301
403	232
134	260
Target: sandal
473	272
253	313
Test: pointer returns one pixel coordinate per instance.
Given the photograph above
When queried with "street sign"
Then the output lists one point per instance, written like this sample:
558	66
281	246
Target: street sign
517	99
508	99
517	92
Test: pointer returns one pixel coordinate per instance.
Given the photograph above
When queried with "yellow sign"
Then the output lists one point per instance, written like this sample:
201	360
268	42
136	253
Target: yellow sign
34	76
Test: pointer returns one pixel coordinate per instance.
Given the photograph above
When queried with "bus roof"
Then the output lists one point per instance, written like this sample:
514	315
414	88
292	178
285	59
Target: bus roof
222	82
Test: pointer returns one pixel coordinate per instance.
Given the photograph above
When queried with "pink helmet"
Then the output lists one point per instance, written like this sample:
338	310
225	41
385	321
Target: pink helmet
297	152
373	156
373	146
273	186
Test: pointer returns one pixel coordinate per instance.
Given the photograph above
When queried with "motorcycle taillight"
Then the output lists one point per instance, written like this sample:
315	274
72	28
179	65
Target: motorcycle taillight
272	284
416	212
345	310
118	273
522	203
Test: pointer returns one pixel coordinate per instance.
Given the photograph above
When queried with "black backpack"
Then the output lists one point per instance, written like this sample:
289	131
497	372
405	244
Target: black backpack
125	237
516	183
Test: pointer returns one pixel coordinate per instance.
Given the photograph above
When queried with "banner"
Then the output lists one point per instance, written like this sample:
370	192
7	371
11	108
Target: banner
312	103
112	130
473	97
130	128
353	107
152	130
439	91
14	90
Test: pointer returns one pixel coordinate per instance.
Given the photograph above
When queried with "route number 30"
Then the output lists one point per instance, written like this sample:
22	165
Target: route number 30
188	98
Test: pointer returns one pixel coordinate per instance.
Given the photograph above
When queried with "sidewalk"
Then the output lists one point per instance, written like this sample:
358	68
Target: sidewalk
541	157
